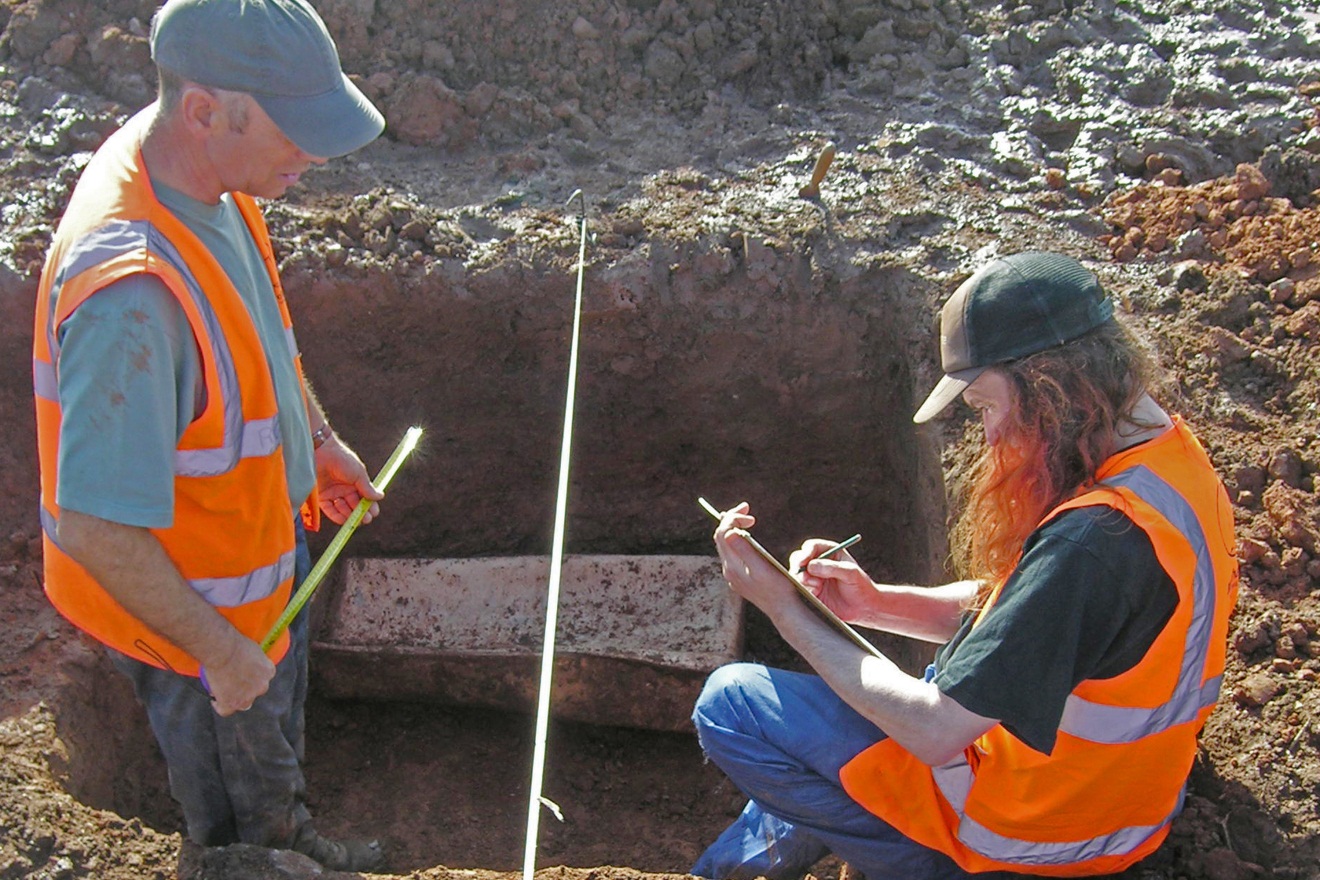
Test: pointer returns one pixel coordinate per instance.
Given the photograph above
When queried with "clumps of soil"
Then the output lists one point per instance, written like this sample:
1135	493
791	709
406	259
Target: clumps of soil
1235	220
47	832
381	226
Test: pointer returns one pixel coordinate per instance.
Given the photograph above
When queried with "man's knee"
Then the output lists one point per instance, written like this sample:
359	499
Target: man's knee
723	704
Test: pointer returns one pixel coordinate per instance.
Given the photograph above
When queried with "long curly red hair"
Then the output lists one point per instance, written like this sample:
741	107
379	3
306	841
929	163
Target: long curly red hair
1069	399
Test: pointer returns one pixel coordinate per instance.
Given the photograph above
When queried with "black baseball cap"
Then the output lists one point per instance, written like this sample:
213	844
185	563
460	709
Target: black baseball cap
1013	307
280	53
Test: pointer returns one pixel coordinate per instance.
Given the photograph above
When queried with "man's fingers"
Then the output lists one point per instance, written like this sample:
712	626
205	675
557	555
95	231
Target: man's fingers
742	552
828	568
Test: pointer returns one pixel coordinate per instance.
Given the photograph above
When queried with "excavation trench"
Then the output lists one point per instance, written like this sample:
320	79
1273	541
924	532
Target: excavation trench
739	343
794	395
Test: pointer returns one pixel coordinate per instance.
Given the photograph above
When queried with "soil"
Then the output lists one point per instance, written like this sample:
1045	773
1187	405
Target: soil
739	341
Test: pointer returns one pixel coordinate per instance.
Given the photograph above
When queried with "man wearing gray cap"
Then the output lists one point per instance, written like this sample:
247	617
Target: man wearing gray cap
1081	653
182	452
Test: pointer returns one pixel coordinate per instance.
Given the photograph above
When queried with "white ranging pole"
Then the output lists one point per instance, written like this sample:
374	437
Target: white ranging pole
536	801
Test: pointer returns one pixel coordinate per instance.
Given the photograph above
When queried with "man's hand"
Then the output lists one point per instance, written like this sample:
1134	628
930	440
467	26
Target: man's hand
132	566
838	582
236	682
342	481
748	574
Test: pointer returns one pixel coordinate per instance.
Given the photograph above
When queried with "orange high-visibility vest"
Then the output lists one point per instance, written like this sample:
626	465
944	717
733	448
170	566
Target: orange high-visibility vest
233	533
1104	798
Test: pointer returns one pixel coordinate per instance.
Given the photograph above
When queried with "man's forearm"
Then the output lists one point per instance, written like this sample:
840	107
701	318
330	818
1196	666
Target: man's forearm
913	712
132	566
316	417
931	614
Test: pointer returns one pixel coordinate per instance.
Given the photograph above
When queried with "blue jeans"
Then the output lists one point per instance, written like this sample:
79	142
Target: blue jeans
238	779
782	738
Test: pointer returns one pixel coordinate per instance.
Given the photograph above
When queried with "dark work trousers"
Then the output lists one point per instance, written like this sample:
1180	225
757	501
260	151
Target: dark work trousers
239	779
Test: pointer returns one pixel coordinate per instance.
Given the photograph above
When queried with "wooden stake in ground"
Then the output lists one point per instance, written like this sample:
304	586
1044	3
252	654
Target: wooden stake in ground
812	189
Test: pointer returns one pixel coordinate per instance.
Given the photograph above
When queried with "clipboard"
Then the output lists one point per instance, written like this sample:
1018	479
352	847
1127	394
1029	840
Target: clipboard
809	597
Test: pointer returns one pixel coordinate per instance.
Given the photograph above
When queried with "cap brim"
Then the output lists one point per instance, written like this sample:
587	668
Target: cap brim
946	391
332	124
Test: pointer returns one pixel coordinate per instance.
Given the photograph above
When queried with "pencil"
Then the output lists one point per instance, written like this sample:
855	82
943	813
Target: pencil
842	545
831	550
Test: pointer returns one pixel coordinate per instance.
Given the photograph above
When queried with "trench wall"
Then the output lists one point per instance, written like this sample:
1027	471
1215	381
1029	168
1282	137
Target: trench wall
793	393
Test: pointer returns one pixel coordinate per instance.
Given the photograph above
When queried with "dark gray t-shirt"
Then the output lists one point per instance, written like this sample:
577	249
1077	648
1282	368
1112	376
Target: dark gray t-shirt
1086	601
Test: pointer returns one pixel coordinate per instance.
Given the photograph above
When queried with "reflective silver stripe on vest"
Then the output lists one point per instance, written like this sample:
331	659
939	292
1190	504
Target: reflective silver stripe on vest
241	440
221	592
50	526
229	592
45	383
258	437
955	783
115	238
1101	723
996	846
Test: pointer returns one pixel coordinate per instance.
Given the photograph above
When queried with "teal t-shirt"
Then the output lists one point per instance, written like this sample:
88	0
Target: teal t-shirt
130	380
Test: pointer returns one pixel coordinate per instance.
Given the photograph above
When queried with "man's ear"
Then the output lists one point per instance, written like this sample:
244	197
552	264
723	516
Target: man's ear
200	110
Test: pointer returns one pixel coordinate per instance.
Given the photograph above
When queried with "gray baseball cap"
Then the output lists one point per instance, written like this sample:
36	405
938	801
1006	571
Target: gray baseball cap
1011	308
280	53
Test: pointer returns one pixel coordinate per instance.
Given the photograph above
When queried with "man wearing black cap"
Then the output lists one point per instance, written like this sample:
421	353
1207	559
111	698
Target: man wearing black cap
181	449
1082	651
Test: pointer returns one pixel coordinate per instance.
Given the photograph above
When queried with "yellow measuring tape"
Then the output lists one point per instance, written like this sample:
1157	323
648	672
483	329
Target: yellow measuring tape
317	574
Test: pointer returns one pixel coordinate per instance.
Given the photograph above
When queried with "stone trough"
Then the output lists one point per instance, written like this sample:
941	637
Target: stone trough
636	635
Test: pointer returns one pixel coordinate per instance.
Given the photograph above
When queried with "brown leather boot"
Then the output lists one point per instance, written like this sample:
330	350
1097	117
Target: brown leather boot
347	855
